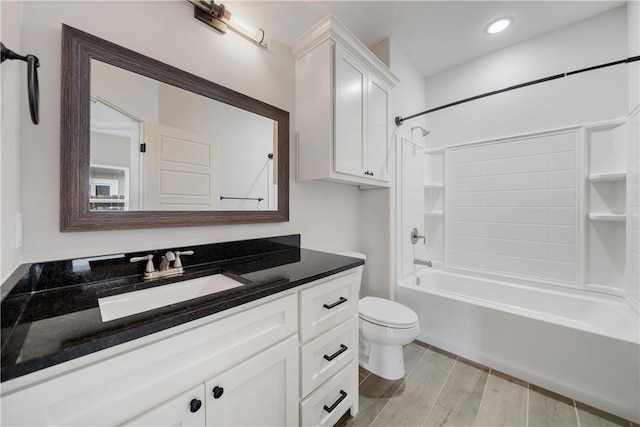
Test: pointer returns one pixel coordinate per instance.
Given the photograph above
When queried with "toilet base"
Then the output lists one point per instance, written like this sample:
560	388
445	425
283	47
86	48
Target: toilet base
385	361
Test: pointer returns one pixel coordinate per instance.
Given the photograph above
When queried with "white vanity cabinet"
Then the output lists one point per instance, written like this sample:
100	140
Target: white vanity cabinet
266	383
285	360
343	103
329	350
153	380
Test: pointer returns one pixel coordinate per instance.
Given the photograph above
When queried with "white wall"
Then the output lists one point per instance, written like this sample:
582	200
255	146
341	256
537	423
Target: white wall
130	92
407	101
110	150
245	140
13	94
633	28
633	247
574	100
325	214
379	206
375	225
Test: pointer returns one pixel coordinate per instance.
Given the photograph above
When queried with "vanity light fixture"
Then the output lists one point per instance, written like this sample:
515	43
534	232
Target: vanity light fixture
499	25
218	17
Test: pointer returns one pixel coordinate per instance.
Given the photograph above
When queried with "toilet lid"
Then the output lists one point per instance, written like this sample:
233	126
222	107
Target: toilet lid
387	313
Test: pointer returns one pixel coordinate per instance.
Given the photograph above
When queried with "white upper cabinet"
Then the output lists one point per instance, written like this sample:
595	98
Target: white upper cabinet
378	140
343	117
350	111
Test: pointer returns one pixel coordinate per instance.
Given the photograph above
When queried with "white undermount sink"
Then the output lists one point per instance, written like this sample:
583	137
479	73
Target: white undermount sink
127	304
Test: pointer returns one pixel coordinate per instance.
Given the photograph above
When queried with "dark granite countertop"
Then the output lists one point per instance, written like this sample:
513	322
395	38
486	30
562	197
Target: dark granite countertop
51	315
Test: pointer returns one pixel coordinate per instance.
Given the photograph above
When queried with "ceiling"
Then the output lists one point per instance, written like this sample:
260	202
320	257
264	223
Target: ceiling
436	35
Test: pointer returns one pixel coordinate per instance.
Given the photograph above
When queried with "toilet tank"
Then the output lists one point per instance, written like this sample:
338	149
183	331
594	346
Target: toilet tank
359	256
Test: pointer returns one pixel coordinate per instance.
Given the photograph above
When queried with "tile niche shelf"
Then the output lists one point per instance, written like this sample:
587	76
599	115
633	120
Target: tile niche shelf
434	194
434	182
607	177
607	217
606	206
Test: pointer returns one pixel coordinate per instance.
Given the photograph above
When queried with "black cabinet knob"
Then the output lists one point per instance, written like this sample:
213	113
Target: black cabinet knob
195	405
217	392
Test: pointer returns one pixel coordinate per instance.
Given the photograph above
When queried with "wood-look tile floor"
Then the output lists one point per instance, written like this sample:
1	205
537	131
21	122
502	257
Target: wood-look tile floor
442	389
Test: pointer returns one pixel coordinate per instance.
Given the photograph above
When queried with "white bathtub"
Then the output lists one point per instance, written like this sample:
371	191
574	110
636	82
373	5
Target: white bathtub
586	348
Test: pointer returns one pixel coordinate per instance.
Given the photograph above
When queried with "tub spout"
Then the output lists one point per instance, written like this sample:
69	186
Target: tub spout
423	262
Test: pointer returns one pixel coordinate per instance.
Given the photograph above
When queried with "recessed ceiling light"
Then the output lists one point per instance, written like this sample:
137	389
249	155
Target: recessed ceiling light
499	25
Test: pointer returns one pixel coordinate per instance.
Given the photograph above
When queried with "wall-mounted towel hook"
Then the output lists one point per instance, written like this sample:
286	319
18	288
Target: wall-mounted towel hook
32	79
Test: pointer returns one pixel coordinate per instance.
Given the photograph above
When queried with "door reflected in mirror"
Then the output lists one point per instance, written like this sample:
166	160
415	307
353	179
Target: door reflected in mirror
156	147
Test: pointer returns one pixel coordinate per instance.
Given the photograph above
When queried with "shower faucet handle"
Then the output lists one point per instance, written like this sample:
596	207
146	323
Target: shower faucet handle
415	237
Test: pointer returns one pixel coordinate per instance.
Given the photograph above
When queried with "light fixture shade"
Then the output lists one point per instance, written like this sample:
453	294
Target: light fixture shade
218	17
246	30
499	25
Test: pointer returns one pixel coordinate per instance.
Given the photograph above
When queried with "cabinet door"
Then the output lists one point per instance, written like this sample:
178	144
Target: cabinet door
263	391
350	113
378	143
186	409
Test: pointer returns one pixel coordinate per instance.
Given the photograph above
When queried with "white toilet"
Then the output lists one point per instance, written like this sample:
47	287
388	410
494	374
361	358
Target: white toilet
385	326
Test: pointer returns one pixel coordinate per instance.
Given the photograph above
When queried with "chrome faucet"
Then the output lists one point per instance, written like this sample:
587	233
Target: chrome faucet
415	237
166	261
423	262
164	269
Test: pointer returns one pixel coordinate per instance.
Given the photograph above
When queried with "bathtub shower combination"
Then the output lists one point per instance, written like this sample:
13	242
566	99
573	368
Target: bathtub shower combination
535	259
582	347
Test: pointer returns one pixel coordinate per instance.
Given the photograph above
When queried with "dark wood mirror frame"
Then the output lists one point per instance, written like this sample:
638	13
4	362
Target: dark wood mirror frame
78	48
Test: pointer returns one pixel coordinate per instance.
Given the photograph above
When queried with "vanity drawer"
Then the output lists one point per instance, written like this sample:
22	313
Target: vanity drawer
327	404
340	345
329	304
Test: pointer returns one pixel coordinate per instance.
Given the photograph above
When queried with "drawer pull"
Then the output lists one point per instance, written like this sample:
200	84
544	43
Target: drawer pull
343	395
194	405
343	348
335	304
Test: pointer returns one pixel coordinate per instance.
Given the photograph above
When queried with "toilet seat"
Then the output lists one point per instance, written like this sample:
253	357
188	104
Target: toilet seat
387	313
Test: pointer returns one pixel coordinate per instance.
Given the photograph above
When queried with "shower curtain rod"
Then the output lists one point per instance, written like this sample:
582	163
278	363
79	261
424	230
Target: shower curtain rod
400	120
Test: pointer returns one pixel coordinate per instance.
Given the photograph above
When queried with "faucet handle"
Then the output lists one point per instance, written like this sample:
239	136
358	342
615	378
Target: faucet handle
178	262
415	237
149	258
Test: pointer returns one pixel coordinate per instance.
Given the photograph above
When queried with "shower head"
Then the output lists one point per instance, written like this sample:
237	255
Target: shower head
424	131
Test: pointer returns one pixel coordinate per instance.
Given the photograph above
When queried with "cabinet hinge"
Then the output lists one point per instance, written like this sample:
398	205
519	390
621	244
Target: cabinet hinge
143	147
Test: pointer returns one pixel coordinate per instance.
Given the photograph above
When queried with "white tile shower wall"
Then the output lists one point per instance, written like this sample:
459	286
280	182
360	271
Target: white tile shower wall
633	214
412	202
512	207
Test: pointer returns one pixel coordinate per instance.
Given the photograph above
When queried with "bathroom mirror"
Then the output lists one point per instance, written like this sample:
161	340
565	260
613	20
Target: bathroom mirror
147	145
